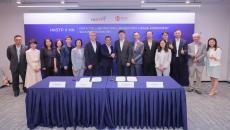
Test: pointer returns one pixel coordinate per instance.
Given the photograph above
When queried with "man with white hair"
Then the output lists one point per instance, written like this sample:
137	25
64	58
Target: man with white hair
196	53
92	55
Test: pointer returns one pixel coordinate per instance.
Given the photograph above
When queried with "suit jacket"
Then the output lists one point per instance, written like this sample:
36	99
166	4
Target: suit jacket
123	56
92	58
182	57
13	58
138	52
201	53
65	53
78	58
149	54
106	59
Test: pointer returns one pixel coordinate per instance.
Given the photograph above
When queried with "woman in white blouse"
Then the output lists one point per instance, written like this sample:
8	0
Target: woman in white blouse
163	59
33	71
213	64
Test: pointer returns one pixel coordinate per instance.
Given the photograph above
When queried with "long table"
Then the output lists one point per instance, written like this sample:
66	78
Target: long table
106	105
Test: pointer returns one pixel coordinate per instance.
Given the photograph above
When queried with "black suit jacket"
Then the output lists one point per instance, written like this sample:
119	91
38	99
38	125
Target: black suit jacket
106	59
13	58
125	55
92	58
149	54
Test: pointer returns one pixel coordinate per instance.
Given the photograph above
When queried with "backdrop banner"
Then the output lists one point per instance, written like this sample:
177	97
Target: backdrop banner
78	25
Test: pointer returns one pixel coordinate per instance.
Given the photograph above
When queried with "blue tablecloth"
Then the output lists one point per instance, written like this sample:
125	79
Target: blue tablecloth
105	105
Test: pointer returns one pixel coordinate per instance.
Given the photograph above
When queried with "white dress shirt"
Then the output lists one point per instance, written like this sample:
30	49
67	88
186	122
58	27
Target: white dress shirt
150	44
109	48
94	44
121	44
177	47
18	52
196	48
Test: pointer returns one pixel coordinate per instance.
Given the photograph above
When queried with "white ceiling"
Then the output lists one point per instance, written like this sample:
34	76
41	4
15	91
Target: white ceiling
116	4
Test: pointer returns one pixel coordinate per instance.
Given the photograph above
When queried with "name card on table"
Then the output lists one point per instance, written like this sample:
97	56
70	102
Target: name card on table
96	79
57	84
154	85
81	84
84	79
87	79
125	84
120	78
132	79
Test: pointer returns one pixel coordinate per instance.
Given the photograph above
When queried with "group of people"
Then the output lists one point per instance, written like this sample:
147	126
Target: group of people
148	58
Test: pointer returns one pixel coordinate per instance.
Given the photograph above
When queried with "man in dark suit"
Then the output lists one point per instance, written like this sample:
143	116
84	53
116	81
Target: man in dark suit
92	56
150	47
17	57
107	56
123	53
66	62
179	67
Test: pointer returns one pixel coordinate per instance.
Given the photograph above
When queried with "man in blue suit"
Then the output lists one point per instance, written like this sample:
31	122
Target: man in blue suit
107	56
136	61
92	56
66	63
179	67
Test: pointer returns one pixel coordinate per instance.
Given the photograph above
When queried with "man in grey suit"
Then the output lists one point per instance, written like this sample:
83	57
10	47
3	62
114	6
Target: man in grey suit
123	53
17	57
138	48
196	53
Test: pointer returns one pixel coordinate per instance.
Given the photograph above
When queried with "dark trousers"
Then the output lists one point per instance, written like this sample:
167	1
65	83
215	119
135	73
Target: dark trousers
106	70
136	70
123	70
15	79
68	72
48	72
177	71
95	71
149	69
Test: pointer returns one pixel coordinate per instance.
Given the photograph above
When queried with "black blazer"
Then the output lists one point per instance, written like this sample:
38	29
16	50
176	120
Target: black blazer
106	59
124	56
13	58
149	54
92	58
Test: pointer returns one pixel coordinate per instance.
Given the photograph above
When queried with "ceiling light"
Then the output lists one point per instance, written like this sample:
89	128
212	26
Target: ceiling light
62	2
18	2
187	2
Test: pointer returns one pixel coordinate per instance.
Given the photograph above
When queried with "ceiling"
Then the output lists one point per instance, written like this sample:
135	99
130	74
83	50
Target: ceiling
117	4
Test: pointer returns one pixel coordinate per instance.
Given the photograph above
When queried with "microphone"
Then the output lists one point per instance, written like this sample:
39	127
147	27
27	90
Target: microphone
111	74
91	74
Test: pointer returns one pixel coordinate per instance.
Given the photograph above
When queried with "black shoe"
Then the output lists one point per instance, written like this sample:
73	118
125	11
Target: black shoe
189	90
24	89
16	94
198	92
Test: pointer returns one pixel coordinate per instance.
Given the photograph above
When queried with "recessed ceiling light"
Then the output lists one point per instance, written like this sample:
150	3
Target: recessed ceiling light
18	2
187	2
62	2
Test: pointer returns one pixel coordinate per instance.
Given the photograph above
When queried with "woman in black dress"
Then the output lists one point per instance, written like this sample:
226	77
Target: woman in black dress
58	45
48	59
